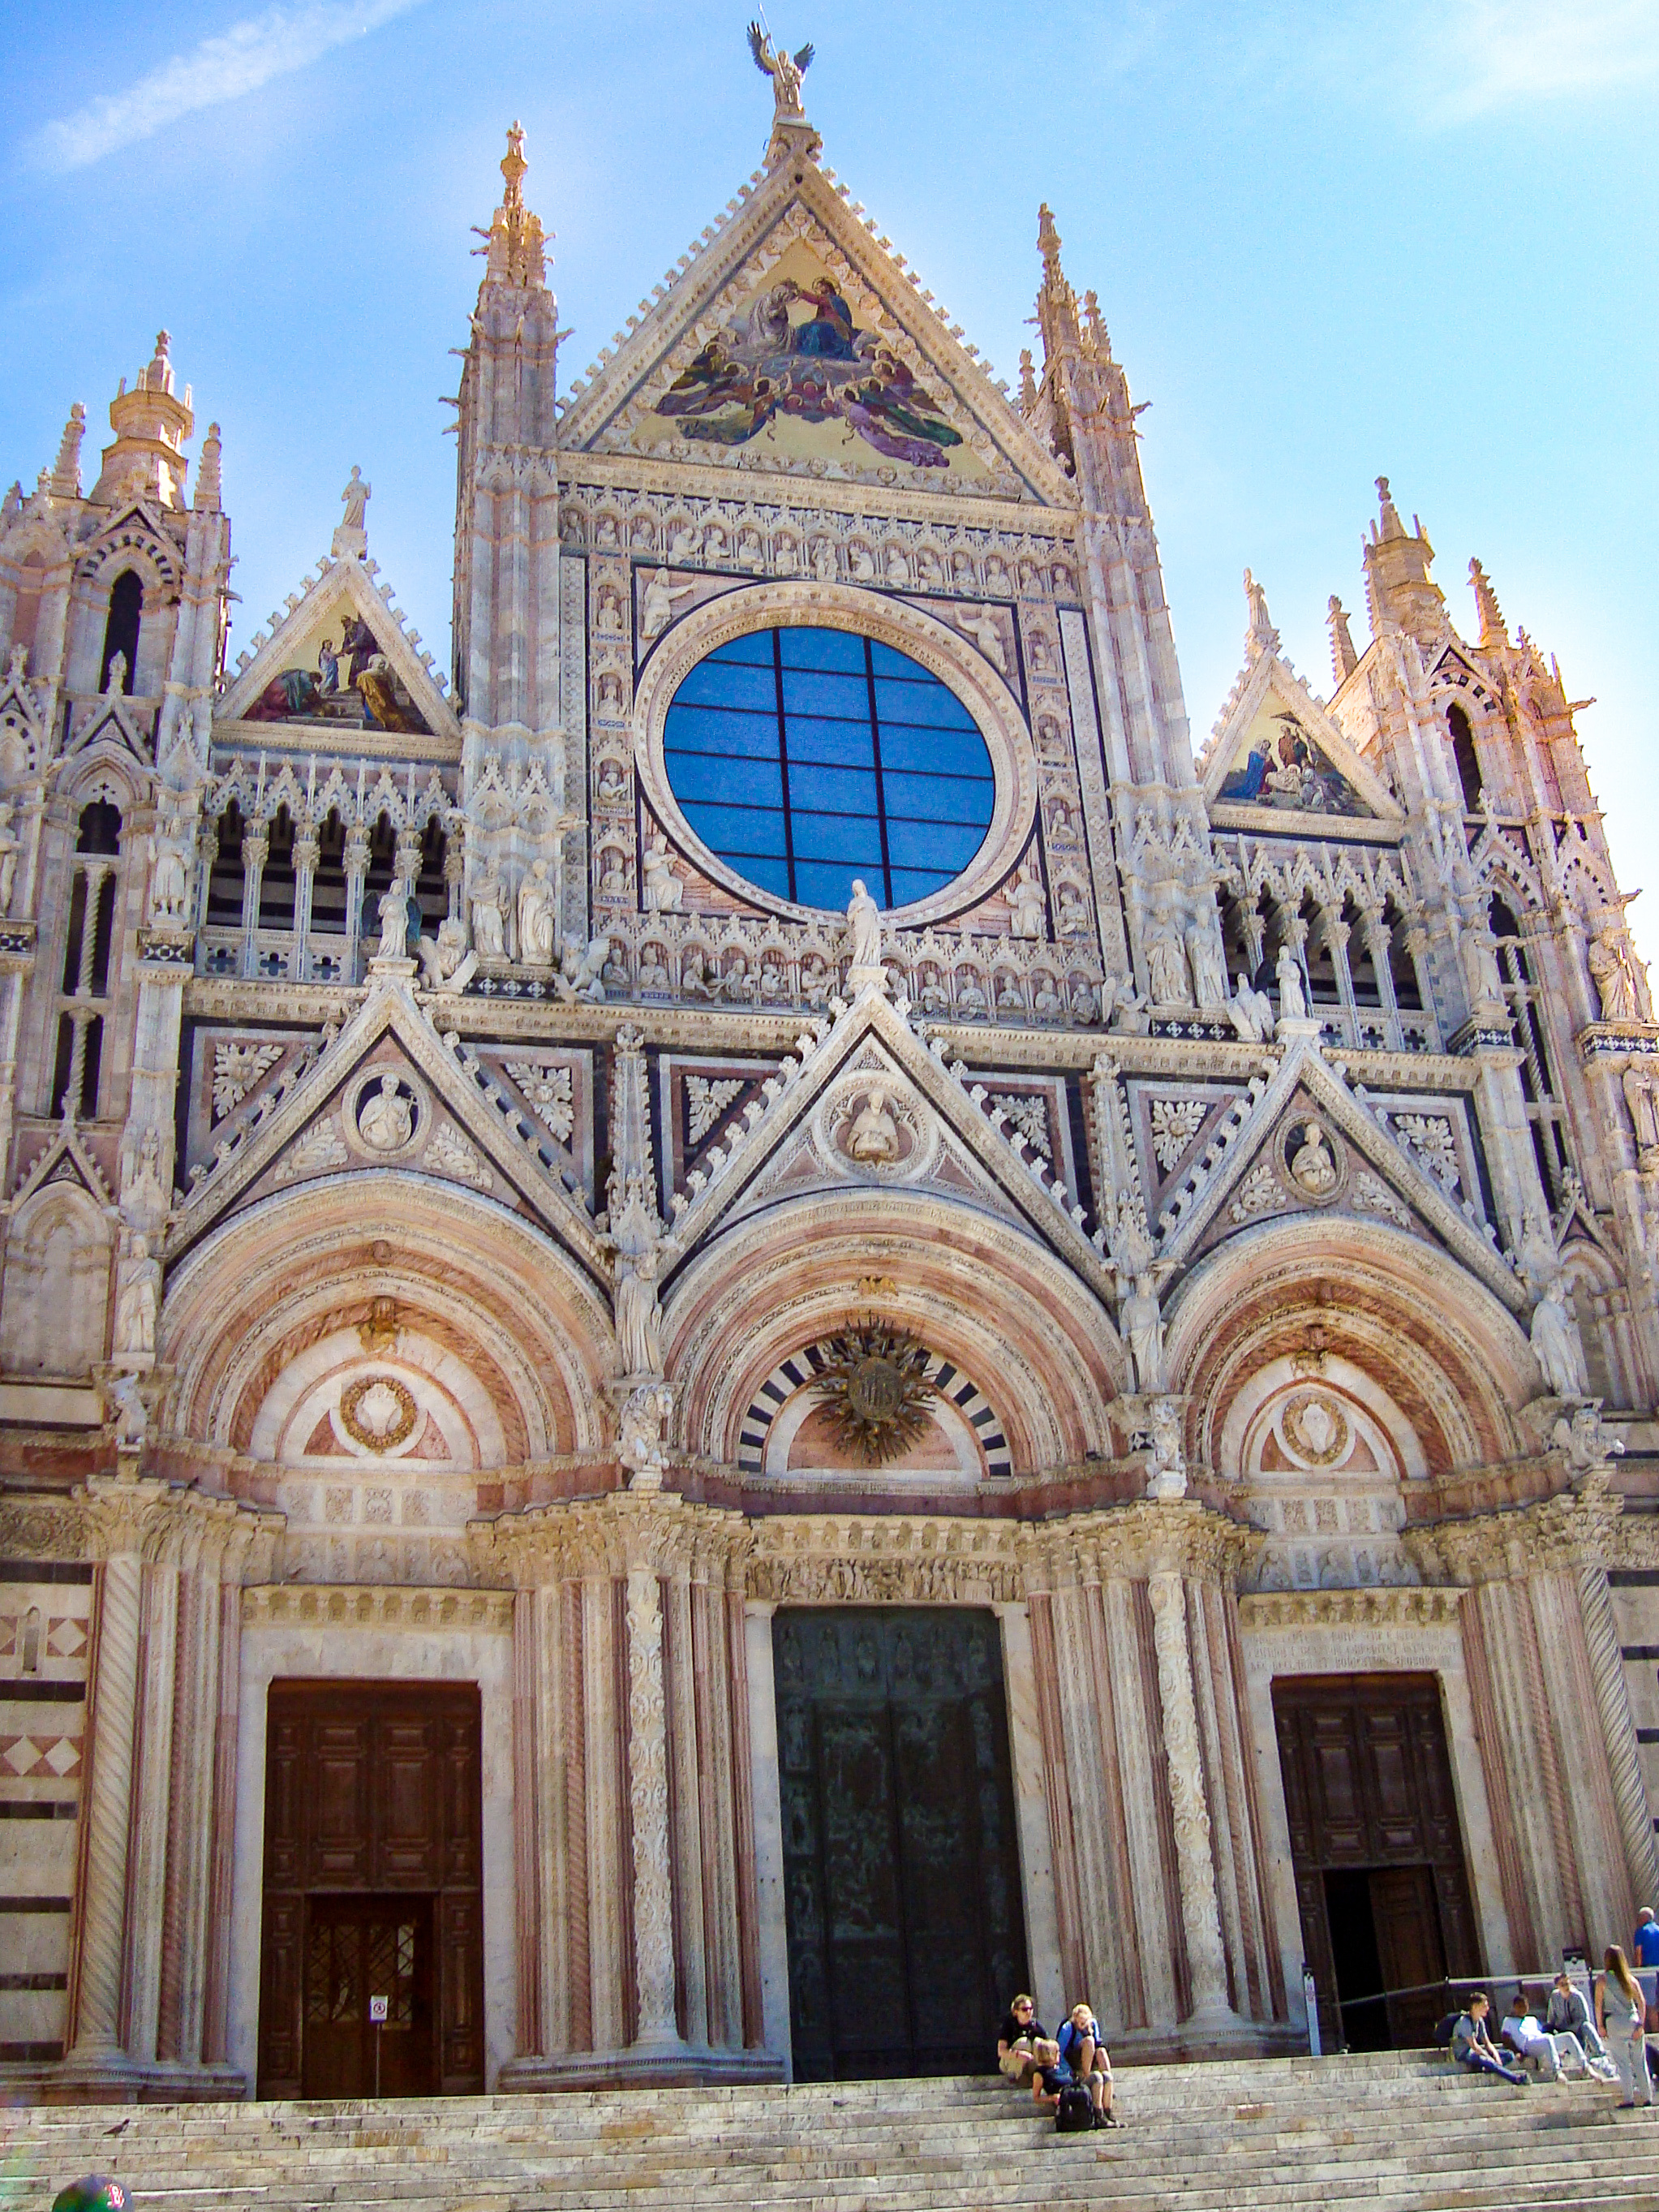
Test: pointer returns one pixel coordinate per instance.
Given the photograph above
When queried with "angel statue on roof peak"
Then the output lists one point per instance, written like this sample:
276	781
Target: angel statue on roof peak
784	73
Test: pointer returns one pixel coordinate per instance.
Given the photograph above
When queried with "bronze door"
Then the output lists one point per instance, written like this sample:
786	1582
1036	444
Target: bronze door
372	1868
906	1931
1377	1850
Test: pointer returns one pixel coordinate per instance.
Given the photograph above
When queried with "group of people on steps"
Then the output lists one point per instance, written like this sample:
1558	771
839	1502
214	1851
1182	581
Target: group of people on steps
1607	2040
1057	2068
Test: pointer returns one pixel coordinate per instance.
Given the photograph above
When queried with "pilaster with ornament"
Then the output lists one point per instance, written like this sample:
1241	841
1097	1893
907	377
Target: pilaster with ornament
1564	1739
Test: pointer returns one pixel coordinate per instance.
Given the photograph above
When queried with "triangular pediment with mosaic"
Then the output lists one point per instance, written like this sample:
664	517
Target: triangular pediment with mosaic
866	1106
389	1093
1308	1145
795	342
340	669
1278	753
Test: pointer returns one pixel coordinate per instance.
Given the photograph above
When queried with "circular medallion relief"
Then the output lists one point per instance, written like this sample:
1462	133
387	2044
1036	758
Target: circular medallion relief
378	1411
868	1126
1314	1429
386	1114
1313	1157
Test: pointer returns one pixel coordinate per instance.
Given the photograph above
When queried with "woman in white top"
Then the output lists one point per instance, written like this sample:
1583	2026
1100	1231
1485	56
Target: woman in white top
1622	2015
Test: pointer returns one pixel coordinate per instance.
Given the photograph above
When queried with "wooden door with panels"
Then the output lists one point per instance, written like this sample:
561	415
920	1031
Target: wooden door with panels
374	1886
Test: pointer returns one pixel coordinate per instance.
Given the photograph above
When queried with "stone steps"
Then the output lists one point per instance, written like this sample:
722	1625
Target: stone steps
1400	2131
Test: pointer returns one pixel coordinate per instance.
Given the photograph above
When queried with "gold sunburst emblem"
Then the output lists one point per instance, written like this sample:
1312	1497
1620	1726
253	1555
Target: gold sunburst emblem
874	1384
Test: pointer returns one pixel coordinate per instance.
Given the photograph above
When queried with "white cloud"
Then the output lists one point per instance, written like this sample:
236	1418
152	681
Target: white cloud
1496	52
240	60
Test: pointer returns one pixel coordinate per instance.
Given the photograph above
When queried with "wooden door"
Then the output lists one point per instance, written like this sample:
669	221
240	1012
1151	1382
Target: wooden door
901	1857
1368	1787
372	1866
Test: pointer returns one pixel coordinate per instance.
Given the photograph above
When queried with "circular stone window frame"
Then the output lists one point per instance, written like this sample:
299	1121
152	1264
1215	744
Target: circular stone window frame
959	666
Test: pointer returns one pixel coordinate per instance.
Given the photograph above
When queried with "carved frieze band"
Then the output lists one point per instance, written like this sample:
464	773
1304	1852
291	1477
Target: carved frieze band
285	1605
1351	1608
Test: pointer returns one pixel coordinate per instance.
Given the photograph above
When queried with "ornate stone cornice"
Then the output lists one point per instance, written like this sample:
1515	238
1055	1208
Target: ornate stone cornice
1433	1607
609	1536
188	1528
1177	1536
1563	1532
1633	1541
812	1558
285	1605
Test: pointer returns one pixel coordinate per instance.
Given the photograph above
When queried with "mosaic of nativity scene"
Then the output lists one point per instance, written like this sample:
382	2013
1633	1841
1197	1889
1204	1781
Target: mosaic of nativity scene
772	1162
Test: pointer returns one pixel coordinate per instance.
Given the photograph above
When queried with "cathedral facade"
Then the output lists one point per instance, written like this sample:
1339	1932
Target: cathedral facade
758	1317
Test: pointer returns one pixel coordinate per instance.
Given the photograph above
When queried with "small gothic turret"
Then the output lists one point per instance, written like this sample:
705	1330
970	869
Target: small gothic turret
1494	631
1344	659
66	476
1399	590
151	423
506	610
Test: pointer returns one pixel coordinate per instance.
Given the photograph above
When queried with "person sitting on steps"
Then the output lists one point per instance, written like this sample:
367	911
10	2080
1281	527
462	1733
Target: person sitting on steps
1027	2053
1554	2056
1082	2048
1472	2045
1570	2014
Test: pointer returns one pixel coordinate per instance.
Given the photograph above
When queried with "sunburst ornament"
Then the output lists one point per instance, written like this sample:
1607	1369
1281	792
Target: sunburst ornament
874	1384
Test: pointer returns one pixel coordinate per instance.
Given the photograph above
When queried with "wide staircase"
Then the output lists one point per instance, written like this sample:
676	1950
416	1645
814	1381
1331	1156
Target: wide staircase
1396	2132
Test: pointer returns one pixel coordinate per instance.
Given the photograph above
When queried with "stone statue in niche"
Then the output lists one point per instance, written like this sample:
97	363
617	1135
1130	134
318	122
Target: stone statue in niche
613	791
1292	999
1609	967
1166	967
115	680
639	1308
1166	1466
538	924
864	930
448	964
386	1120
1209	968
641	1448
1478	949
138	1304
394	912
660	887
1555	1341
1641	1087
7	855
489	916
169	878
1025	897
1141	1321
873	1138
582	975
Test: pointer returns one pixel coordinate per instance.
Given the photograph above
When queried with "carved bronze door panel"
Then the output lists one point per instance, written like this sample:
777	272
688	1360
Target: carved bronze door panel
901	1857
373	1887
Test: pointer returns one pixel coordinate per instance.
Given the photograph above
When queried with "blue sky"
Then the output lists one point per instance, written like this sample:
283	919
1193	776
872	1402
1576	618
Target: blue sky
1330	241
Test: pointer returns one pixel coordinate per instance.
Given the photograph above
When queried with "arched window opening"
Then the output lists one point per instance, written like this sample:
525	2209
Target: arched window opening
430	888
276	878
1463	752
88	961
328	883
101	828
1402	967
1530	1028
126	609
1323	988
1361	966
224	905
382	861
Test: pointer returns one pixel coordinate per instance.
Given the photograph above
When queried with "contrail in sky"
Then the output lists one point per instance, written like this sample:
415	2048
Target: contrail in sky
240	60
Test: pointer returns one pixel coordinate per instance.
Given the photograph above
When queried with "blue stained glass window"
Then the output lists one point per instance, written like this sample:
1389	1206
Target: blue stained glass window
804	757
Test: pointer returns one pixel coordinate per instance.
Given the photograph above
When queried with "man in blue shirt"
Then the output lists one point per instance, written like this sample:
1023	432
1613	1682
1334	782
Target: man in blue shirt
1646	1945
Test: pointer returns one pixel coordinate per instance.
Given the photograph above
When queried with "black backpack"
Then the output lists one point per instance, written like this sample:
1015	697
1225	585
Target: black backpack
1075	2110
1442	2029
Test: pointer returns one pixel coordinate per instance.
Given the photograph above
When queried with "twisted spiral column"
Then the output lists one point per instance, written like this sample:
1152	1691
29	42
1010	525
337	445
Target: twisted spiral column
1200	1910
647	1786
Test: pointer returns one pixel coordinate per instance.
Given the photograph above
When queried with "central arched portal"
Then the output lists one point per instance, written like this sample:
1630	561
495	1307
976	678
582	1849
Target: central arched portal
901	1876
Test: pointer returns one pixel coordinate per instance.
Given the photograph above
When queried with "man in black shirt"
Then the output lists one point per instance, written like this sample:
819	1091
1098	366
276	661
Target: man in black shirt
1025	2053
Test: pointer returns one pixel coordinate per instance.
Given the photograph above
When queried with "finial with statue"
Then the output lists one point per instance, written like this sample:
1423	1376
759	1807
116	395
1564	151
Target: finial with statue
785	71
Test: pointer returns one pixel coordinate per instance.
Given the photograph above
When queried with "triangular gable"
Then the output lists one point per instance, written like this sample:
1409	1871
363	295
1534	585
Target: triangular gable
1236	1173
717	1189
1278	752
64	1156
794	341
300	1134
339	664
